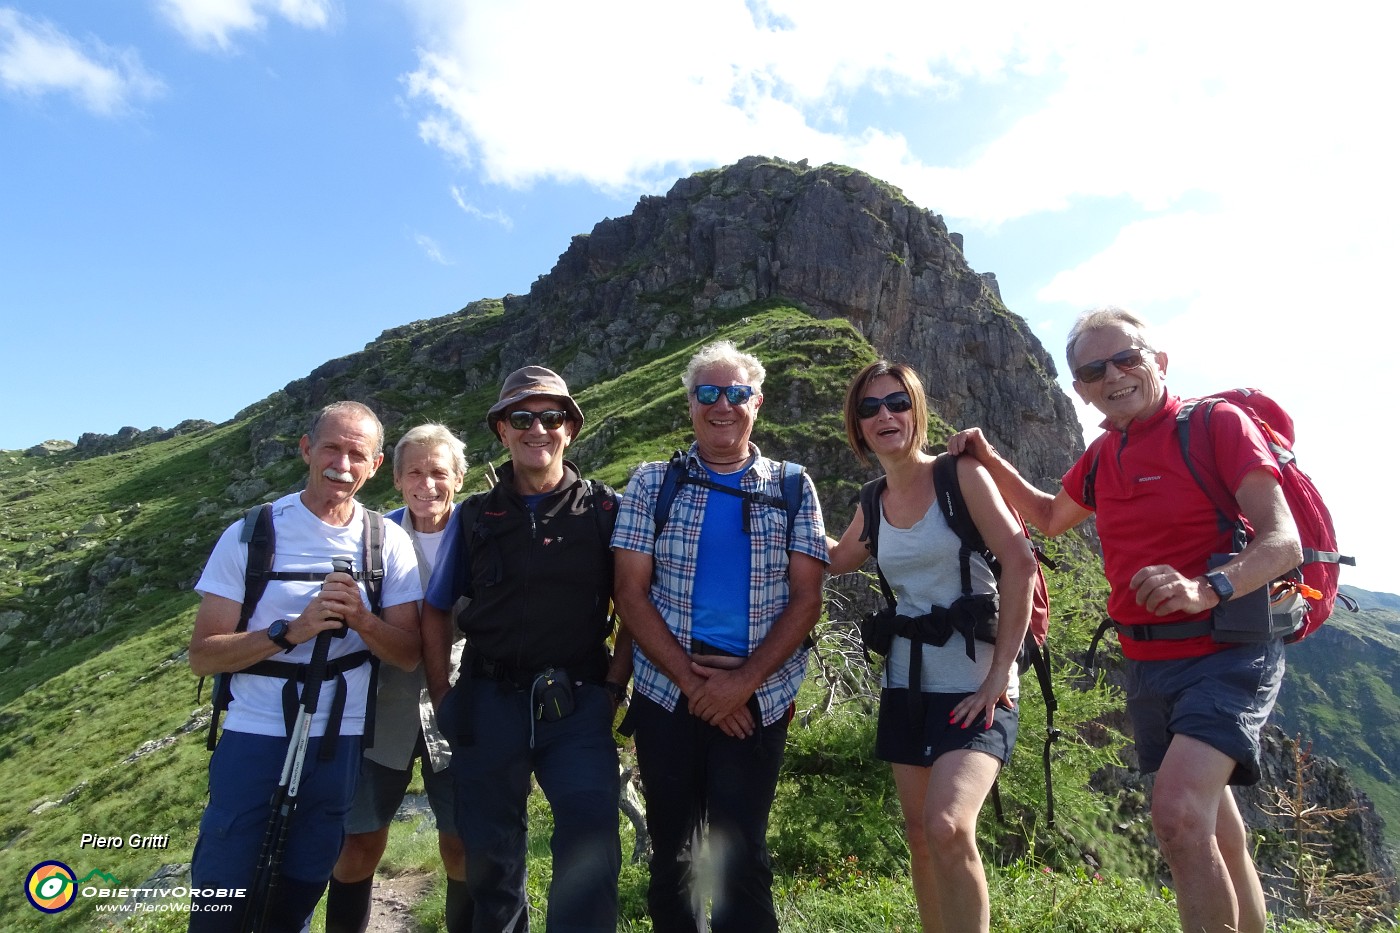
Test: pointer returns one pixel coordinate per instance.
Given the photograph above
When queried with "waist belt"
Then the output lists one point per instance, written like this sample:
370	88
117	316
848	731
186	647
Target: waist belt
336	668
972	617
1163	631
512	674
521	677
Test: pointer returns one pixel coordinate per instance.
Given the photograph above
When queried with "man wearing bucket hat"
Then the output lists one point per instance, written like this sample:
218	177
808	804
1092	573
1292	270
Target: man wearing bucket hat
538	687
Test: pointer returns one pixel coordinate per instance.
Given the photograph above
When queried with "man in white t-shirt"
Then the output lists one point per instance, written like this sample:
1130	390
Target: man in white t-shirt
342	450
430	465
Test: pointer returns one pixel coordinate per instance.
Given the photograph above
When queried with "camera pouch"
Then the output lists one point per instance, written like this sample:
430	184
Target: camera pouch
877	631
1252	616
552	695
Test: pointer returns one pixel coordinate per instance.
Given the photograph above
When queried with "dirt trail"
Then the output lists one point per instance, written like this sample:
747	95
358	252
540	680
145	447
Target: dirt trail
393	902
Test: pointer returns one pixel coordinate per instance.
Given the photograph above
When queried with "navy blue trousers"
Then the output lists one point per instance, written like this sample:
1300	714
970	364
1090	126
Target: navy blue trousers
575	762
694	775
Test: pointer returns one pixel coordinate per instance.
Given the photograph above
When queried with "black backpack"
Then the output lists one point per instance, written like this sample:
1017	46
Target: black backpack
878	628
261	539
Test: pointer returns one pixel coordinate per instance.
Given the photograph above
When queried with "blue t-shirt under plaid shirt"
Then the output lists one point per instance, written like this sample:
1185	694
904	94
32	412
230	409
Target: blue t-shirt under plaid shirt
673	568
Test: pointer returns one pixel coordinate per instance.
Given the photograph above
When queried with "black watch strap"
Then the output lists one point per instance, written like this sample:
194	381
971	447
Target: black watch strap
1221	584
277	632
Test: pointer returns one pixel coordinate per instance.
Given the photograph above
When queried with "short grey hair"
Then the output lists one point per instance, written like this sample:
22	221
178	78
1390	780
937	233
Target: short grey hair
724	353
355	410
1106	316
431	435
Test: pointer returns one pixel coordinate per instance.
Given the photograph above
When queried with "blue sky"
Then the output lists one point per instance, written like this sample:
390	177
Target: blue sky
201	200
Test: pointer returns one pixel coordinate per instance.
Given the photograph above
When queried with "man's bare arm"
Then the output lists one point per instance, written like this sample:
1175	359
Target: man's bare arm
1052	515
437	651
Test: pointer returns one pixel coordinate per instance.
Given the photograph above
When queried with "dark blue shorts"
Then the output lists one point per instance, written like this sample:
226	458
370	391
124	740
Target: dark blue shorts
381	790
1222	699
243	775
902	741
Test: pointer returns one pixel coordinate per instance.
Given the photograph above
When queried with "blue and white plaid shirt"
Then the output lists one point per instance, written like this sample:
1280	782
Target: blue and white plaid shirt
674	564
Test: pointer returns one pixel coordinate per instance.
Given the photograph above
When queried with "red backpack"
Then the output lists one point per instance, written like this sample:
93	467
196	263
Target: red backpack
1316	578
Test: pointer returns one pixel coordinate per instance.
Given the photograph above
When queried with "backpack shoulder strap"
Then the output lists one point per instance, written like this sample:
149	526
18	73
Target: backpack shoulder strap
791	477
1090	477
1226	508
870	514
948	491
260	537
605	504
870	532
666	495
373	562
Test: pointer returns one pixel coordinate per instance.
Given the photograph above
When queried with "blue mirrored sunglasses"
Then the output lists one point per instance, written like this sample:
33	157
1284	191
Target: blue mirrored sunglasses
737	395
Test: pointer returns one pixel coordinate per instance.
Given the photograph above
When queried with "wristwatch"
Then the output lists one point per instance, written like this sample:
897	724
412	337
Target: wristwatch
1221	584
277	633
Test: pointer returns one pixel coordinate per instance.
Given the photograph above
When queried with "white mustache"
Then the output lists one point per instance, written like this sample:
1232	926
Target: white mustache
338	476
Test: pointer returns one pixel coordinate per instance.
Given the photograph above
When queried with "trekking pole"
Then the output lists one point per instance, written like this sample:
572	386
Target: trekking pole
284	799
491	479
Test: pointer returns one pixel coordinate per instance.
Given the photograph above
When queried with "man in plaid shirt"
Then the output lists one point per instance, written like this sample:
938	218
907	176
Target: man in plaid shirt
720	604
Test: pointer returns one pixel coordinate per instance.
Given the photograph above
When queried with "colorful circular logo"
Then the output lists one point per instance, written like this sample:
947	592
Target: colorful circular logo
51	887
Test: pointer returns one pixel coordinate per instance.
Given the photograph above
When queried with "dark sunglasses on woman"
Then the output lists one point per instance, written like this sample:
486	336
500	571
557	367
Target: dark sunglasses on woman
896	402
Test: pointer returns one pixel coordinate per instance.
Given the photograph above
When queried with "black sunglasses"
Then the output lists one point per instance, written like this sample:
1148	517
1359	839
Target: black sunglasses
550	418
737	395
1125	360
896	402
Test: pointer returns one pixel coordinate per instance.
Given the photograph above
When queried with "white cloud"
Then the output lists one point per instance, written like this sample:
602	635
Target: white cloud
623	94
431	249
213	23
37	59
497	216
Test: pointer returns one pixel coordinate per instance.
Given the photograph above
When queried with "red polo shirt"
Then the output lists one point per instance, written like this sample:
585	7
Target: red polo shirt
1150	510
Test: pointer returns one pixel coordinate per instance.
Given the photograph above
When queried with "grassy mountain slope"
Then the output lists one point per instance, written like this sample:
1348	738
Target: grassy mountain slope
99	610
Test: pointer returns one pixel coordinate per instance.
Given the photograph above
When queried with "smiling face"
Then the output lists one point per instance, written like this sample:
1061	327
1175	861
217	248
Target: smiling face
1122	397
426	478
888	434
537	453
722	430
341	457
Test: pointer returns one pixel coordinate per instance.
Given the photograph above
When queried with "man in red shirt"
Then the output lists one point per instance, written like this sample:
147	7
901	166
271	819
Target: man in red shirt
1197	706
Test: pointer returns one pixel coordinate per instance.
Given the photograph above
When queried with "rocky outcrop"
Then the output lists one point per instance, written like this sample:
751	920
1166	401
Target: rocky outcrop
95	445
49	448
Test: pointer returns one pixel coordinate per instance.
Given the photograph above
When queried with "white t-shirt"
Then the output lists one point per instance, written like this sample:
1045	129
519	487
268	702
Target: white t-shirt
304	543
921	565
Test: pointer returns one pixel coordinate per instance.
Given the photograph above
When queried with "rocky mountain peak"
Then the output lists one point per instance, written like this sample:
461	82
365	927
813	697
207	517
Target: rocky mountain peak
841	244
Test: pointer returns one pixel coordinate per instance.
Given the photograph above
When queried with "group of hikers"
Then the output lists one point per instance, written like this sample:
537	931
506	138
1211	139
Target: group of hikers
487	630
